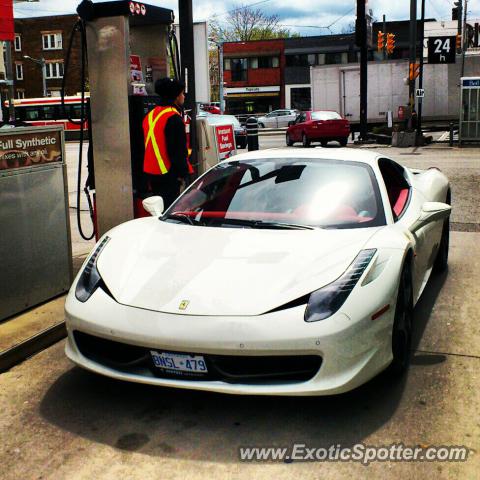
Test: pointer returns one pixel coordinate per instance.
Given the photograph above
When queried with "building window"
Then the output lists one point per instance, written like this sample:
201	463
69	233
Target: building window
227	64
52	41
301	98
312	59
239	69
19	71
335	58
54	70
267	62
254	62
20	94
18	43
297	60
353	57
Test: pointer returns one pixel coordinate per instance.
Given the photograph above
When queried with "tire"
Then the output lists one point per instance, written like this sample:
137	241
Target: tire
289	140
343	142
441	260
324	143
402	326
305	141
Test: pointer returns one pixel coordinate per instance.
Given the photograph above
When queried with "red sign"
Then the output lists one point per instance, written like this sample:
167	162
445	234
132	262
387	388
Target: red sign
225	138
7	29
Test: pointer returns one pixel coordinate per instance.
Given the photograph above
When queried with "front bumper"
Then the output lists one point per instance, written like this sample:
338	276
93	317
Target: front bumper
351	351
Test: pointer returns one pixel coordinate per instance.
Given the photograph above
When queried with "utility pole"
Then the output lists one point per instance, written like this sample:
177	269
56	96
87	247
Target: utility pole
420	78
361	41
9	78
385	33
221	93
187	69
43	66
413	56
464	36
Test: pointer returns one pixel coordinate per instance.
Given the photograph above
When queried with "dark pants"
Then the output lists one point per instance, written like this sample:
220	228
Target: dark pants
167	186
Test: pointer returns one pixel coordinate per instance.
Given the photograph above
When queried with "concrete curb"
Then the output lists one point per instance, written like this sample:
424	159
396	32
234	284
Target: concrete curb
42	340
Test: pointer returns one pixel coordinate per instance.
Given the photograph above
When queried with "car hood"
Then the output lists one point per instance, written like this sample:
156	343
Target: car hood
157	265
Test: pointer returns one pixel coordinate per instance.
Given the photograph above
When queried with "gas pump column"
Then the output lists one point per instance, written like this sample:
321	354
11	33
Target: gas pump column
127	44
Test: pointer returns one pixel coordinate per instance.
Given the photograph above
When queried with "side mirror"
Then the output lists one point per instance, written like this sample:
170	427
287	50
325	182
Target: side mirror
431	212
154	205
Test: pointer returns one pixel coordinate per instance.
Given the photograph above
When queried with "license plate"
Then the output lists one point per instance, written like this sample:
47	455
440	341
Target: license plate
179	362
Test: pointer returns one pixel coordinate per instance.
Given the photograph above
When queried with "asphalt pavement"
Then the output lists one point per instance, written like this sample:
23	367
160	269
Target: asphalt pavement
60	422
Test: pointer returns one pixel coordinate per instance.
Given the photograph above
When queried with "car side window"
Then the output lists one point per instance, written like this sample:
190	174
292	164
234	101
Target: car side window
396	183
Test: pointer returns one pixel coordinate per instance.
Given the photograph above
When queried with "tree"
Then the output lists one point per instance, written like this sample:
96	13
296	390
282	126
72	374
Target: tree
244	24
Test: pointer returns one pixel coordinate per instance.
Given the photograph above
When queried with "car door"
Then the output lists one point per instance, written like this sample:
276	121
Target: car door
282	119
299	126
271	120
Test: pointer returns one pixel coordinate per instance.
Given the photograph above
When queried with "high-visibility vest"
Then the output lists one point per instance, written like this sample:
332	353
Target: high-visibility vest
156	160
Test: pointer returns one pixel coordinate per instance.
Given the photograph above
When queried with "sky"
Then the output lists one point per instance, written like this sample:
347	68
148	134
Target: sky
307	17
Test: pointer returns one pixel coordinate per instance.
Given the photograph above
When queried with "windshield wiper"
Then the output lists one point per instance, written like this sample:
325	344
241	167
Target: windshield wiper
262	224
287	226
182	217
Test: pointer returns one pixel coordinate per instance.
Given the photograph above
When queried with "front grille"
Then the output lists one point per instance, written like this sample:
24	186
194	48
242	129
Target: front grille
228	368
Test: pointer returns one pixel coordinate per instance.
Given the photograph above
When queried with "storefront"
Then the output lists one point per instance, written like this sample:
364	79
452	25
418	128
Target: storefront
250	100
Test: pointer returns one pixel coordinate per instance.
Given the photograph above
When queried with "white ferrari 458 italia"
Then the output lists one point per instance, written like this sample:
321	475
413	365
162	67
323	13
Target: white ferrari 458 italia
278	272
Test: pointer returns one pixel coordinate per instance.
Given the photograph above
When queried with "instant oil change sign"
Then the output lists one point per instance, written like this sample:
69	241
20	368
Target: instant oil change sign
29	149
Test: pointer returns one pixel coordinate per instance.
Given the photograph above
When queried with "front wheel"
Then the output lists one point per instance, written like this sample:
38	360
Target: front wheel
402	326
289	140
343	142
305	141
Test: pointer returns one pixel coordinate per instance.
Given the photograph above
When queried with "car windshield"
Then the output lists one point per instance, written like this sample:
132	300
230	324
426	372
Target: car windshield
294	192
326	116
223	120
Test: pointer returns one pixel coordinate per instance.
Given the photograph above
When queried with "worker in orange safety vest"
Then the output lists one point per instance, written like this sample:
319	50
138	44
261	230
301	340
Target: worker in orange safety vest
166	151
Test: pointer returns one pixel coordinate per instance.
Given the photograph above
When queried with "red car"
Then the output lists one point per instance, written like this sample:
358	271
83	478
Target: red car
322	126
211	109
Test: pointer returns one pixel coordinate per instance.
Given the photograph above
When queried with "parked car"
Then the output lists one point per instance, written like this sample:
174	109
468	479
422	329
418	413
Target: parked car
210	108
278	272
240	132
322	126
277	118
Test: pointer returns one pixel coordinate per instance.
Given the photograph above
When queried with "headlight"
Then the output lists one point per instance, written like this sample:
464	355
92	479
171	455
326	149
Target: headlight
327	300
90	278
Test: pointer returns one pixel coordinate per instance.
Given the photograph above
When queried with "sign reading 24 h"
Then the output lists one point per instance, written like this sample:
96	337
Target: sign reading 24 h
441	49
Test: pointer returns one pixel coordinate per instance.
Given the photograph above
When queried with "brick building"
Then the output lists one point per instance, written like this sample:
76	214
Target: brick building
44	37
261	76
253	76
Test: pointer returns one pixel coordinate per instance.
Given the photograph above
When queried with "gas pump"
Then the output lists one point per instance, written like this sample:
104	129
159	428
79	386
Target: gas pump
127	52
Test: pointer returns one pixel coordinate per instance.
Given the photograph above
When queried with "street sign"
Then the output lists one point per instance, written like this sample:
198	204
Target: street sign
441	49
420	93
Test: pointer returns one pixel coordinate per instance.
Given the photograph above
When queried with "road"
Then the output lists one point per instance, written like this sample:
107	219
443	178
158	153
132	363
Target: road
60	422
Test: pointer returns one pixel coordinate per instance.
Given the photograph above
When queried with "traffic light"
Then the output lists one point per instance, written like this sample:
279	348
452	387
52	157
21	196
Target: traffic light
414	71
390	43
380	41
458	42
